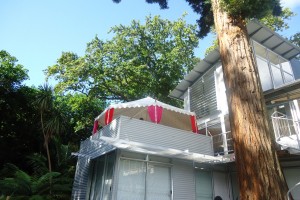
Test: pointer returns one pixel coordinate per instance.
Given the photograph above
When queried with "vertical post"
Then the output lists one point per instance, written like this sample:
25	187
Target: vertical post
189	99
296	118
224	137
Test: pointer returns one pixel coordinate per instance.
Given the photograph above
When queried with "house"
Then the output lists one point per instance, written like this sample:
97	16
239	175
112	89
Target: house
151	150
146	149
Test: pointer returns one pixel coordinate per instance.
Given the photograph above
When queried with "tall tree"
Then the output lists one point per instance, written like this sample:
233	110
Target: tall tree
50	118
140	60
45	102
259	173
18	132
79	111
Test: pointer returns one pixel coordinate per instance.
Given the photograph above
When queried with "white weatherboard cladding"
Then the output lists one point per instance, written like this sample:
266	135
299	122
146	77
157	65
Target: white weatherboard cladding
187	100
163	136
183	180
221	90
203	94
81	178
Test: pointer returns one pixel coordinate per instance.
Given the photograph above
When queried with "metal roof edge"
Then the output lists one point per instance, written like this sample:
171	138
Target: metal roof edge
172	95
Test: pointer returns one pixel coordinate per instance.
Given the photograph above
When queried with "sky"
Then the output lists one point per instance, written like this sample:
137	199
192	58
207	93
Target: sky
37	32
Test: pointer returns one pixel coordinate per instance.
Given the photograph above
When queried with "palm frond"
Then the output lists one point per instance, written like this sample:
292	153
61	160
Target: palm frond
38	163
42	185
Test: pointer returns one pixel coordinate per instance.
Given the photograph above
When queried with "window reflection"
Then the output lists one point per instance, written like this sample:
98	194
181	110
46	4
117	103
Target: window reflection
274	71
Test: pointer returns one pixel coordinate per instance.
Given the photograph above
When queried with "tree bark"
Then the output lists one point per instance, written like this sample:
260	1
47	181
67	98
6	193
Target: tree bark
46	144
259	172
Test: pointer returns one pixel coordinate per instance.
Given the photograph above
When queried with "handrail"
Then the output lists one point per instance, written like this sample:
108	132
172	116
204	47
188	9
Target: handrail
283	126
220	145
289	191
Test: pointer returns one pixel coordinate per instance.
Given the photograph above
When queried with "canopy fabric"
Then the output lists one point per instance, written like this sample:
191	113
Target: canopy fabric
151	110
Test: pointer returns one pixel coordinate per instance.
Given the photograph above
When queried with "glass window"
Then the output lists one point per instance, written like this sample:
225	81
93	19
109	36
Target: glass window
260	50
275	68
107	183
101	176
132	176
281	71
277	77
204	190
97	178
264	74
137	181
273	58
286	70
158	183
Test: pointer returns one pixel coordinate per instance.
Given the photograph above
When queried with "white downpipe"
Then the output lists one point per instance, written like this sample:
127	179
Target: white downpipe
224	137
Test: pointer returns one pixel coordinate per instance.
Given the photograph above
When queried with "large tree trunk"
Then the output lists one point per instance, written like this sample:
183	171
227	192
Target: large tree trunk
259	173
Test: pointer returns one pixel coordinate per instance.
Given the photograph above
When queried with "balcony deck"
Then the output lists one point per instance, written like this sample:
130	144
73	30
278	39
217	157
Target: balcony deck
149	138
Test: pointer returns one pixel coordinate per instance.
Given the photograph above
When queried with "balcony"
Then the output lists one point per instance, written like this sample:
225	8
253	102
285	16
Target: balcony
286	132
145	137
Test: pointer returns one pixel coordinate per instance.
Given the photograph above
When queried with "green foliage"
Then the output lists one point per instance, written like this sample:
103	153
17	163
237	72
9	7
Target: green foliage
20	185
251	8
11	73
275	23
212	47
236	8
79	111
17	116
140	60
278	23
20	136
295	39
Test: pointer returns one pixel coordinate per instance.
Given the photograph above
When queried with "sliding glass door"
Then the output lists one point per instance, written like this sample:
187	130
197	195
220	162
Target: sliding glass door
204	189
139	180
131	180
158	182
101	178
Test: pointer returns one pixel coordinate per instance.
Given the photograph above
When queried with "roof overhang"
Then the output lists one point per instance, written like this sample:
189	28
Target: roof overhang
257	32
153	150
284	93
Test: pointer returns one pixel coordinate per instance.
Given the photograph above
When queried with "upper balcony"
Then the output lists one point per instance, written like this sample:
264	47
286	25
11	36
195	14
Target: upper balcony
145	137
148	126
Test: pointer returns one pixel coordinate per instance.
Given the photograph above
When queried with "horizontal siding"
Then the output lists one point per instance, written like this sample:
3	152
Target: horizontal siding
203	94
163	136
89	149
81	179
183	180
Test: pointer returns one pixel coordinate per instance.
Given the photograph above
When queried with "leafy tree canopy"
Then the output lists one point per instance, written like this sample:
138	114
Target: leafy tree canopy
11	73
79	111
295	39
17	116
278	23
139	60
236	8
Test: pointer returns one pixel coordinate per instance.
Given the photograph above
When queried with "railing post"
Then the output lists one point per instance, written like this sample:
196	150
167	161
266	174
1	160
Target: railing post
224	137
296	117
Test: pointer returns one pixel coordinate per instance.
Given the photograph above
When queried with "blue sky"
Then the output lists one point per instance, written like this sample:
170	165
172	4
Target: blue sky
37	32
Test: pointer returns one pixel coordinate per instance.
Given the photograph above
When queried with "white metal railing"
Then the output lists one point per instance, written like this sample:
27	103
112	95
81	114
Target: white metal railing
290	190
222	143
286	130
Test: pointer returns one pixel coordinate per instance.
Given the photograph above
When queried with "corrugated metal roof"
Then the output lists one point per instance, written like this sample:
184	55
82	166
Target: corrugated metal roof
257	32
